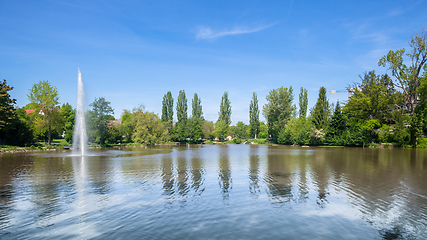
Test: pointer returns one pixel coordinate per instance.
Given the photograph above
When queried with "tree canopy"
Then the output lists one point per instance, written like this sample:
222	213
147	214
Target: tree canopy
46	99
278	110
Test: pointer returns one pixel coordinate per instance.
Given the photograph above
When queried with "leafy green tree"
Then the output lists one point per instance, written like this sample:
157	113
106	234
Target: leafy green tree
278	110
195	128
99	116
208	128
225	109
45	97
114	134
197	107
263	131
321	111
409	79
149	129
254	116
221	129
68	114
240	130
167	108
303	103
13	131
337	127
7	110
373	98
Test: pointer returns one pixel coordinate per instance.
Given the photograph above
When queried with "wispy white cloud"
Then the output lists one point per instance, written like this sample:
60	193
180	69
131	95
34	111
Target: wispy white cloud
208	33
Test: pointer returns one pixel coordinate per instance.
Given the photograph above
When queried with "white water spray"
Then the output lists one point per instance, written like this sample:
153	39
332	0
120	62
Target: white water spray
80	135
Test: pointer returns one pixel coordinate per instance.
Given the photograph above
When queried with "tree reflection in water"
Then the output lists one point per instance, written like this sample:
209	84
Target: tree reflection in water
224	173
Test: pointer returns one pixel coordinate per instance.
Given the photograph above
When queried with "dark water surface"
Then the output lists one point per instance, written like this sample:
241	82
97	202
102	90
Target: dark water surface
215	192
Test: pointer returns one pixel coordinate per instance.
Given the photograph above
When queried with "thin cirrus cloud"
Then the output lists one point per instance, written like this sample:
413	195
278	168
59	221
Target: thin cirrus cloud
208	33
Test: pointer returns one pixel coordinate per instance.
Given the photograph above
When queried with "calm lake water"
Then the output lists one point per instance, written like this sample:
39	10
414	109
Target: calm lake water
215	192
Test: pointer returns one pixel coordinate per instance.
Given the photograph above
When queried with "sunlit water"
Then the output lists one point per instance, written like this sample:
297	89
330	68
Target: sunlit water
215	192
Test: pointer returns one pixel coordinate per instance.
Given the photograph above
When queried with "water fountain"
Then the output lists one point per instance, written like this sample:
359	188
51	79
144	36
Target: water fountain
80	135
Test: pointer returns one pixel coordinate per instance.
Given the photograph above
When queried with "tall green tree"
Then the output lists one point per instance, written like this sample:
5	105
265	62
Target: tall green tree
181	107
225	109
221	129
7	109
167	107
45	97
321	111
254	116
99	116
278	110
68	115
303	103
409	79
13	130
197	107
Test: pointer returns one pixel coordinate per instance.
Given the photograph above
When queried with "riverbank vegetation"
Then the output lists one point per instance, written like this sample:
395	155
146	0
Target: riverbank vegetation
387	109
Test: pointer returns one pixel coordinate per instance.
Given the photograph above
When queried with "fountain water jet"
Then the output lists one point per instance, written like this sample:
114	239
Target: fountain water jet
80	135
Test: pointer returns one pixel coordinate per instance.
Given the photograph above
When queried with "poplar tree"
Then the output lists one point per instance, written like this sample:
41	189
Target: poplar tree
181	107
167	107
225	109
197	107
303	103
254	115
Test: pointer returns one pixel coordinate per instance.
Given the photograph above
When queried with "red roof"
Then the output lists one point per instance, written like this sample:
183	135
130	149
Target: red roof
28	111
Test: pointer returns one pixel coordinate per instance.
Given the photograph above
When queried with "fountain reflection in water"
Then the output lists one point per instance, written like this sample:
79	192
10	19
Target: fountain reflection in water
80	135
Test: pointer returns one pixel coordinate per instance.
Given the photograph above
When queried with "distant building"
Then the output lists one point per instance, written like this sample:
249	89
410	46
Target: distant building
111	123
228	138
28	111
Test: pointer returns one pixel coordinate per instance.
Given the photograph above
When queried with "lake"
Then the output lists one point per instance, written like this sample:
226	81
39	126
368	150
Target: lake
215	192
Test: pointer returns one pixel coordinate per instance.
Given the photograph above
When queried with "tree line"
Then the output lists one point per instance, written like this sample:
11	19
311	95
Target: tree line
382	108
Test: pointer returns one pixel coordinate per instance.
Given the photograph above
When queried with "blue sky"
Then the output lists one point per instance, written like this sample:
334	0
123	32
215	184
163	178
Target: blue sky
133	52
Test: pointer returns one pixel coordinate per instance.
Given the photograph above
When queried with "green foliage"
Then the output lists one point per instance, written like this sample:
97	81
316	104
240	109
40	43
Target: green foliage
7	110
321	111
197	107
180	132
167	108
142	127
240	130
296	131
181	107
409	79
114	134
98	118
254	116
303	103
225	109
208	129
278	110
373	98
67	113
195	128
221	129
422	143
263	131
149	129
13	130
45	98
